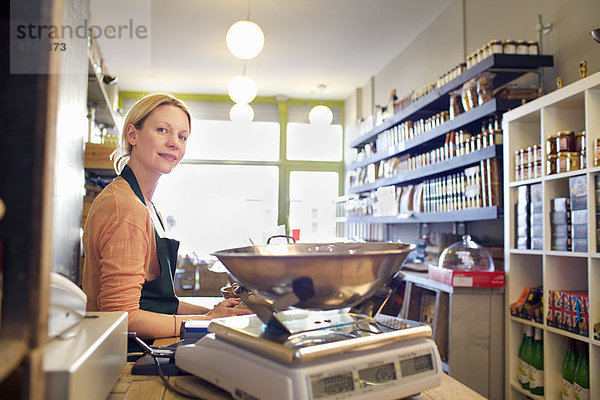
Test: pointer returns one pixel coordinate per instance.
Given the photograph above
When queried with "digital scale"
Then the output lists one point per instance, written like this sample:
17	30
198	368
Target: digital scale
331	354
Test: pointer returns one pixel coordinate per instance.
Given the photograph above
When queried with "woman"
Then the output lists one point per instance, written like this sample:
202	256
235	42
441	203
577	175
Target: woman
129	262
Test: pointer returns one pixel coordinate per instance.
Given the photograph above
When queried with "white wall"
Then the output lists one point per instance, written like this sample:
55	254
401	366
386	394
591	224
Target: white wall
466	25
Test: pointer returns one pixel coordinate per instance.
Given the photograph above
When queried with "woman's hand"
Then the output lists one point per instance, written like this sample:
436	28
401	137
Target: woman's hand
227	308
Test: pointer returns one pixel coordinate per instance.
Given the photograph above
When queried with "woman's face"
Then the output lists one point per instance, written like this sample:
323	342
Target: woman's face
160	143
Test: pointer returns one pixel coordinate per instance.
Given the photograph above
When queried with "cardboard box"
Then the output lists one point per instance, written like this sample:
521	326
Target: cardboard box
536	207
579	217
560	217
535	192
466	278
560	204
560	231
578	192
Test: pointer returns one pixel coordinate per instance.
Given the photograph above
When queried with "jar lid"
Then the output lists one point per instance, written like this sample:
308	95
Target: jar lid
566	132
582	133
552	137
530	42
552	156
509	41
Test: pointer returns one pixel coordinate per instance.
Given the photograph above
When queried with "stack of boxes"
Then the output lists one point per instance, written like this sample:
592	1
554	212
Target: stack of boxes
522	213
536	228
560	224
530	229
579	213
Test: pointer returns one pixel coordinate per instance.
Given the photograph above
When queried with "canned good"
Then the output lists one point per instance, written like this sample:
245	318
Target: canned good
551	164
566	141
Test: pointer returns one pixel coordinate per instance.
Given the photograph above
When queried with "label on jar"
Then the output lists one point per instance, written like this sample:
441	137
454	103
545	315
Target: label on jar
568	391
581	393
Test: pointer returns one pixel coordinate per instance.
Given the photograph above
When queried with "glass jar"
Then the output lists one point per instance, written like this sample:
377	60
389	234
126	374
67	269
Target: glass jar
582	160
518	162
536	152
566	141
518	175
495	47
551	144
522	47
573	161
580	141
561	162
597	152
524	156
551	163
537	169
509	47
534	48
526	172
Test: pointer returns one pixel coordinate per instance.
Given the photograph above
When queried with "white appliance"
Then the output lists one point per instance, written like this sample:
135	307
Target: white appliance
329	355
67	305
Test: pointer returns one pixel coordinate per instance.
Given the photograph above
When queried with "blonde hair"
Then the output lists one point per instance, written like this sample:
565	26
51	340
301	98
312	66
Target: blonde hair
136	116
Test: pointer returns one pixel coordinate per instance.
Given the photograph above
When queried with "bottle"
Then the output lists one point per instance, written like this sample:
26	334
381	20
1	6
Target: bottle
582	374
523	376
524	353
536	370
568	371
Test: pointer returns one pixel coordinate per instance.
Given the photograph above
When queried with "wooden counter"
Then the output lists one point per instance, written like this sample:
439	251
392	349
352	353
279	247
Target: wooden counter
135	387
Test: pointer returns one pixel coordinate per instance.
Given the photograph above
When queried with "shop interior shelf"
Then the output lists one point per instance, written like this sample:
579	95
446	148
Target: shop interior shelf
506	68
98	98
436	169
470	214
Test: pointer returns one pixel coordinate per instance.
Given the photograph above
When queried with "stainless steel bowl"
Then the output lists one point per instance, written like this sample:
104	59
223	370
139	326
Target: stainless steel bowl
317	276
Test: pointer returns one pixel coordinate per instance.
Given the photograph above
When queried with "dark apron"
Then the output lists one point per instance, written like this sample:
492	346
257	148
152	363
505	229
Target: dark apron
158	295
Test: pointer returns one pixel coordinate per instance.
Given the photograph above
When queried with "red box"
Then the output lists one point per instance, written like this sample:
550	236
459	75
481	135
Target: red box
466	278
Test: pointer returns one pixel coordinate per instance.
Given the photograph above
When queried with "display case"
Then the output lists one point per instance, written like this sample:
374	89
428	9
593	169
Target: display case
565	261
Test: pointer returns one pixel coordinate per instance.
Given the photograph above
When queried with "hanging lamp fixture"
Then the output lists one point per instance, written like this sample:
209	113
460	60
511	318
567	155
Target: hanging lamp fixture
245	39
241	113
320	115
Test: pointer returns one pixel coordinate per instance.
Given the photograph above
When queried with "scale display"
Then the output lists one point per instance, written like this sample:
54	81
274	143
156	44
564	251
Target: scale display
366	378
332	385
416	365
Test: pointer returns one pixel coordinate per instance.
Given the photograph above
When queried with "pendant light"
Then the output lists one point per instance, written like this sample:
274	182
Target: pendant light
241	113
245	39
242	89
320	115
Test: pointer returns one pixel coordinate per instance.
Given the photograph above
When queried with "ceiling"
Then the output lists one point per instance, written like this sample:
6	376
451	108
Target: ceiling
339	43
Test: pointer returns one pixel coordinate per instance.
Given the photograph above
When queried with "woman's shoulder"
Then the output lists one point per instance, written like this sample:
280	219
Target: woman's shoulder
118	201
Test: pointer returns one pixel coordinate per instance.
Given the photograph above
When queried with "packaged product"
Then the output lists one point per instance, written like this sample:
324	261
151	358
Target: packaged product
485	87
456	106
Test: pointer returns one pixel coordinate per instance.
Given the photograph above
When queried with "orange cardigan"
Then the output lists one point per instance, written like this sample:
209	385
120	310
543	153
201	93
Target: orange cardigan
120	255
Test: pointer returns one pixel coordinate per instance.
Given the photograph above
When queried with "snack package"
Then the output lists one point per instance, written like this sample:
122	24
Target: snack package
456	105
485	87
469	94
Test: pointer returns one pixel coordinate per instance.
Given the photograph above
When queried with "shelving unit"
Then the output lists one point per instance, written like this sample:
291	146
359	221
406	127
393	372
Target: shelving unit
575	107
99	99
506	68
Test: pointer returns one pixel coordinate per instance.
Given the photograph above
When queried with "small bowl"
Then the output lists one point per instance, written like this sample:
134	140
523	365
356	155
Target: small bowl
596	34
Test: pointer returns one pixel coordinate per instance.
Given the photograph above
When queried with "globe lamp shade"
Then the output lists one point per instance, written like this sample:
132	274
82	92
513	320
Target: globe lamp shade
245	39
242	90
320	115
241	113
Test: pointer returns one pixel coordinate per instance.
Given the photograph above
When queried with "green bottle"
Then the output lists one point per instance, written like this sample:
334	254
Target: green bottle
582	374
524	359
536	361
568	372
523	374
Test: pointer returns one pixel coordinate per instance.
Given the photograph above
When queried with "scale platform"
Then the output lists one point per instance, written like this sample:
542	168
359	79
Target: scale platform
324	355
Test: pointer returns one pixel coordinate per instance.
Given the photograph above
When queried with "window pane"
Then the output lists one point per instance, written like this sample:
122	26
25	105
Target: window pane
314	143
312	205
218	206
225	140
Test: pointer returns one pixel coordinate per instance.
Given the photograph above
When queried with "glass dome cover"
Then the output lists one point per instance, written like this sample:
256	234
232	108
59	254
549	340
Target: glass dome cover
466	256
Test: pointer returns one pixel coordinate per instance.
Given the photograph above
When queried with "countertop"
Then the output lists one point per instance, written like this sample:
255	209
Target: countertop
134	387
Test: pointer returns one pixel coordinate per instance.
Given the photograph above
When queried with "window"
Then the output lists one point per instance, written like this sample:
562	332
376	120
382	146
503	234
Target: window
314	143
218	206
312	207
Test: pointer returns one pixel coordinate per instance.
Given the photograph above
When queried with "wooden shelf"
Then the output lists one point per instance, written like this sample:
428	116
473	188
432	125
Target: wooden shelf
471	214
506	67
451	164
97	156
574	107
